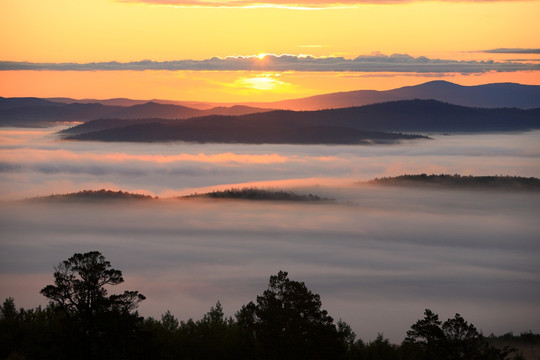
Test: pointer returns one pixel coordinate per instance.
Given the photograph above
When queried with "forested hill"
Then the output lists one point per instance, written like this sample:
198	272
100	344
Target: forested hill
334	126
458	181
222	133
257	194
93	195
230	194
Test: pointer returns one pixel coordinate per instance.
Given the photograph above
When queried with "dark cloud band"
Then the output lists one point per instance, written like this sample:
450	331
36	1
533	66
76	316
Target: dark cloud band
401	63
512	51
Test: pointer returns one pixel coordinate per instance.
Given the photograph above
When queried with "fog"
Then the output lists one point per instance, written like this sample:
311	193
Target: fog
378	256
34	163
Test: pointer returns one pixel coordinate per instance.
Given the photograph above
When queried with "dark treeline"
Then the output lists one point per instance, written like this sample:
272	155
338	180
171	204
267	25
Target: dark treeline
285	322
446	180
233	193
95	195
258	194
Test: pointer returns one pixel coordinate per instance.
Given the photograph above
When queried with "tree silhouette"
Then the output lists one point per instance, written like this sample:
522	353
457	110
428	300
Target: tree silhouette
455	339
427	336
79	286
98	321
463	341
288	322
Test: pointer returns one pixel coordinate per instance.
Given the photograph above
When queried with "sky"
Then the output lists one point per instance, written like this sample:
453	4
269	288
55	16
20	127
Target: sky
231	51
378	258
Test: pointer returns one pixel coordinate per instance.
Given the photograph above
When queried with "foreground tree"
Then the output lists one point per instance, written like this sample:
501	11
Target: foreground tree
463	341
79	286
98	322
426	337
288	323
455	339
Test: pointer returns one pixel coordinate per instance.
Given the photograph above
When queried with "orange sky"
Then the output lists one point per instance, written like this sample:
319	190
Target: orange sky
86	31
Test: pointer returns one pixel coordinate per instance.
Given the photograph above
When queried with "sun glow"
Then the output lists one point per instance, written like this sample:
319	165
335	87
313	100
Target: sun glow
263	82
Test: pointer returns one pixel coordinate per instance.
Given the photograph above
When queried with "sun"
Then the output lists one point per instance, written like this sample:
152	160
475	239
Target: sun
261	56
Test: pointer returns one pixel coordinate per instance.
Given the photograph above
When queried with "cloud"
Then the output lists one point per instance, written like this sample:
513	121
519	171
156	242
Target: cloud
401	63
512	51
291	4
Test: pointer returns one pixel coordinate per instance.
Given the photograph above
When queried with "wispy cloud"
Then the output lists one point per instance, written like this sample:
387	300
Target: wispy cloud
402	63
292	4
512	51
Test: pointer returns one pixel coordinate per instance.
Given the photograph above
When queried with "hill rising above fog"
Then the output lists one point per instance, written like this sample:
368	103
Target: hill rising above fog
382	122
442	181
232	194
256	194
94	195
458	181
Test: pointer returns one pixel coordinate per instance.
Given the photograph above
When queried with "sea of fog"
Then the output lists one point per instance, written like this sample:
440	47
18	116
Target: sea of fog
378	256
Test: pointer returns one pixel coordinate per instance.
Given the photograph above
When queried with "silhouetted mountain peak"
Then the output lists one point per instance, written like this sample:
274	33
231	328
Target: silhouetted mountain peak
486	96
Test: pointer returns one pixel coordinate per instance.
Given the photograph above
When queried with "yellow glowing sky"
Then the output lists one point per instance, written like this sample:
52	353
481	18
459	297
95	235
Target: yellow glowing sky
84	31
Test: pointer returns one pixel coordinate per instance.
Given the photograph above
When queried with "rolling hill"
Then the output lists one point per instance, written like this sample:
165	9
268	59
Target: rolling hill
257	194
93	195
382	122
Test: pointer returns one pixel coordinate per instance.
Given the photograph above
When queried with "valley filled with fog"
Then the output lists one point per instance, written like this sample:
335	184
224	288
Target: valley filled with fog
378	256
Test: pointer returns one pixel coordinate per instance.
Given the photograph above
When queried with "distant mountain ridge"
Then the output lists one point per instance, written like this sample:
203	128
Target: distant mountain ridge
35	111
496	95
40	112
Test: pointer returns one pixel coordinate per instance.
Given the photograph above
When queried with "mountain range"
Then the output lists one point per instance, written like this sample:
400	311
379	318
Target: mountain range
39	112
487	96
496	95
